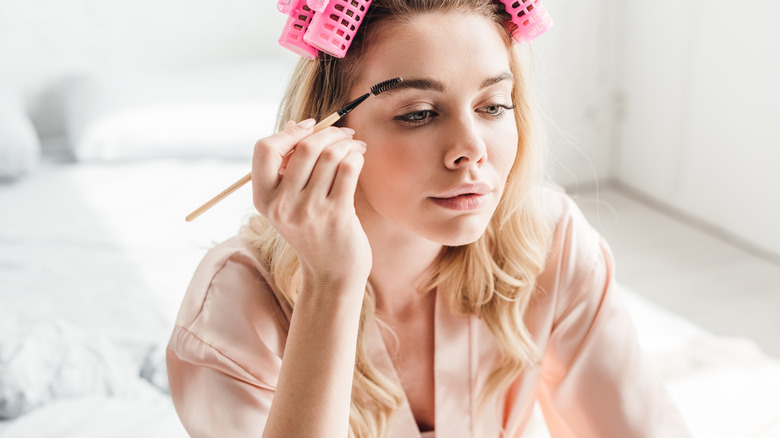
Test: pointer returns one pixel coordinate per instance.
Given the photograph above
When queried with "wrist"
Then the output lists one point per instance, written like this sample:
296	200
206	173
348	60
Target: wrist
331	285
332	299
343	280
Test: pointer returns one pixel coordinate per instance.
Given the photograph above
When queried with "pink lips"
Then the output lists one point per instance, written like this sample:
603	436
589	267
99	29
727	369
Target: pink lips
464	197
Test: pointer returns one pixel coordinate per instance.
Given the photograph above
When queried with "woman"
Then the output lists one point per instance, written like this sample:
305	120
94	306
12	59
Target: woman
436	287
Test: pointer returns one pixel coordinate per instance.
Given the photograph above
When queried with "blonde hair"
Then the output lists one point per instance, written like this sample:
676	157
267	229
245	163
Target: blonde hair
492	278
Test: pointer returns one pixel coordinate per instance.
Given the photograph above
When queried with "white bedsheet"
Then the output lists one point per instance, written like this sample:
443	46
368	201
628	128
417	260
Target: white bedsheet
94	260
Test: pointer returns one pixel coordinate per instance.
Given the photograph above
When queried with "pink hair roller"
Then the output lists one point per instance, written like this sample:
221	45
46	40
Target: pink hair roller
317	5
330	25
333	29
295	29
530	17
286	6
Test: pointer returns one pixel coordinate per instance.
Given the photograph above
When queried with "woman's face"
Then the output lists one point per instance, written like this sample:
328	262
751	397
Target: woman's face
441	144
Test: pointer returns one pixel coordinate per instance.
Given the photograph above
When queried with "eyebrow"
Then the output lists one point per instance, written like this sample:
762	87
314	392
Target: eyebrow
416	84
434	85
496	79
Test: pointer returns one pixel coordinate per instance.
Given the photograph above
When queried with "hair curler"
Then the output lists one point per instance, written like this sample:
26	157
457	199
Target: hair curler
330	25
333	29
326	25
530	17
300	16
317	5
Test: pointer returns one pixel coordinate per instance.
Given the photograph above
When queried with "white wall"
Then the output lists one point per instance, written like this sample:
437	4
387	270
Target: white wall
576	78
700	112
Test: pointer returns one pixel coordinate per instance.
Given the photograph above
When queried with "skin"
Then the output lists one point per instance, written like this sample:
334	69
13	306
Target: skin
365	210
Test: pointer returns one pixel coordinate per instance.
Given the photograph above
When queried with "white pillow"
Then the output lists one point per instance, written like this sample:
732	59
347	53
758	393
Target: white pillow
20	148
216	112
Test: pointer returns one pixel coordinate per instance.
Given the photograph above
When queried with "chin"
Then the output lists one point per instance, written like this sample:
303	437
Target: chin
459	242
460	235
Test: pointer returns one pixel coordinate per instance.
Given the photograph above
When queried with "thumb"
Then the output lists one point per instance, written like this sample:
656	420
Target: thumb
298	131
272	153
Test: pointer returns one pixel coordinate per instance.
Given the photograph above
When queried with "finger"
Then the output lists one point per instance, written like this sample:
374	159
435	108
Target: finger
268	157
345	182
305	156
270	152
324	173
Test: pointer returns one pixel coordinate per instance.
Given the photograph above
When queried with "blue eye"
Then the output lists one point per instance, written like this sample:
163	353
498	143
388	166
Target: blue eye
417	118
496	110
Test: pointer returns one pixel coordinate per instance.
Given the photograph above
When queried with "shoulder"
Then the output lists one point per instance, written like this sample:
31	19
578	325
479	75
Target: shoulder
232	306
577	251
574	240
231	271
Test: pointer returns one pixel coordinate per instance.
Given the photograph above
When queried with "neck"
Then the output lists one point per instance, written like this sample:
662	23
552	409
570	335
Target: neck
399	262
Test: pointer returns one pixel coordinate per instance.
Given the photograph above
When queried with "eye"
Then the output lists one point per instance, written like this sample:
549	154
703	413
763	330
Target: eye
495	110
417	118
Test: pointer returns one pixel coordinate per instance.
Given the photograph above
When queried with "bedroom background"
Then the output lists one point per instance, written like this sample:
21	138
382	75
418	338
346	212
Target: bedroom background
118	118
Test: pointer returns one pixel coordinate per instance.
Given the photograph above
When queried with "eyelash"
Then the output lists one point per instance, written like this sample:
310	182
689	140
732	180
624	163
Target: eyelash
408	118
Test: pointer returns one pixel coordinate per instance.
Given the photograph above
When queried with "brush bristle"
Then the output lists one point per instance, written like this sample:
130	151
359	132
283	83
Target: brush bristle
385	85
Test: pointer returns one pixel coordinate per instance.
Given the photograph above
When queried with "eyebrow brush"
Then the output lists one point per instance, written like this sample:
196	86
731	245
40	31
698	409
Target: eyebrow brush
324	123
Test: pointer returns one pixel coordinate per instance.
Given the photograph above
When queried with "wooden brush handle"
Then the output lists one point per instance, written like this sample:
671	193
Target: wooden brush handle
324	123
222	195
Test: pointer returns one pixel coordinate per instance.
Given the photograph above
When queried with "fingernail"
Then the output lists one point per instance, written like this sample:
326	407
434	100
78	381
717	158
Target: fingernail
362	143
306	124
349	131
289	125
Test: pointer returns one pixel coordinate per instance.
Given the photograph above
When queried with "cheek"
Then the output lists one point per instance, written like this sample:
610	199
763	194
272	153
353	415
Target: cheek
387	169
504	154
384	159
401	161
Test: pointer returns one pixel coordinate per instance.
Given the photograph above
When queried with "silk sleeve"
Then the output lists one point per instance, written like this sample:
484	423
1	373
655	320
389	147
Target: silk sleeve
225	352
597	382
214	396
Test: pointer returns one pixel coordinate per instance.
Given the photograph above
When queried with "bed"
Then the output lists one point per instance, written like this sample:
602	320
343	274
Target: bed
95	256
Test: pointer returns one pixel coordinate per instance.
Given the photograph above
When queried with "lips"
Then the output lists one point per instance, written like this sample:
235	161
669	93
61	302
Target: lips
477	188
464	197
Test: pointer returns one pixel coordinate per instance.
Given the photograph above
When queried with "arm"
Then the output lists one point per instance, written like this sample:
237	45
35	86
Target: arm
225	366
224	357
312	206
597	381
315	383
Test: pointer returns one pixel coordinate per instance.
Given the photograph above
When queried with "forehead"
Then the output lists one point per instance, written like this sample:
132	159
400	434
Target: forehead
451	47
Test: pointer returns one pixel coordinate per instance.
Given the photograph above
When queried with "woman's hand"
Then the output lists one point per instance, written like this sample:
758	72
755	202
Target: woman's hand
304	184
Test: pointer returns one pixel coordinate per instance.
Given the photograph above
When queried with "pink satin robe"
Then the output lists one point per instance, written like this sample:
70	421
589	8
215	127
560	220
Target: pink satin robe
227	346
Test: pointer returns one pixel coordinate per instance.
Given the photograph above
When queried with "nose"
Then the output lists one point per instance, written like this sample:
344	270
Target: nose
465	145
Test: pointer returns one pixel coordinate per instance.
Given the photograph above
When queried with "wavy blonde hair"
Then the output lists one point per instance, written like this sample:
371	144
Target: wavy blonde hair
492	278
